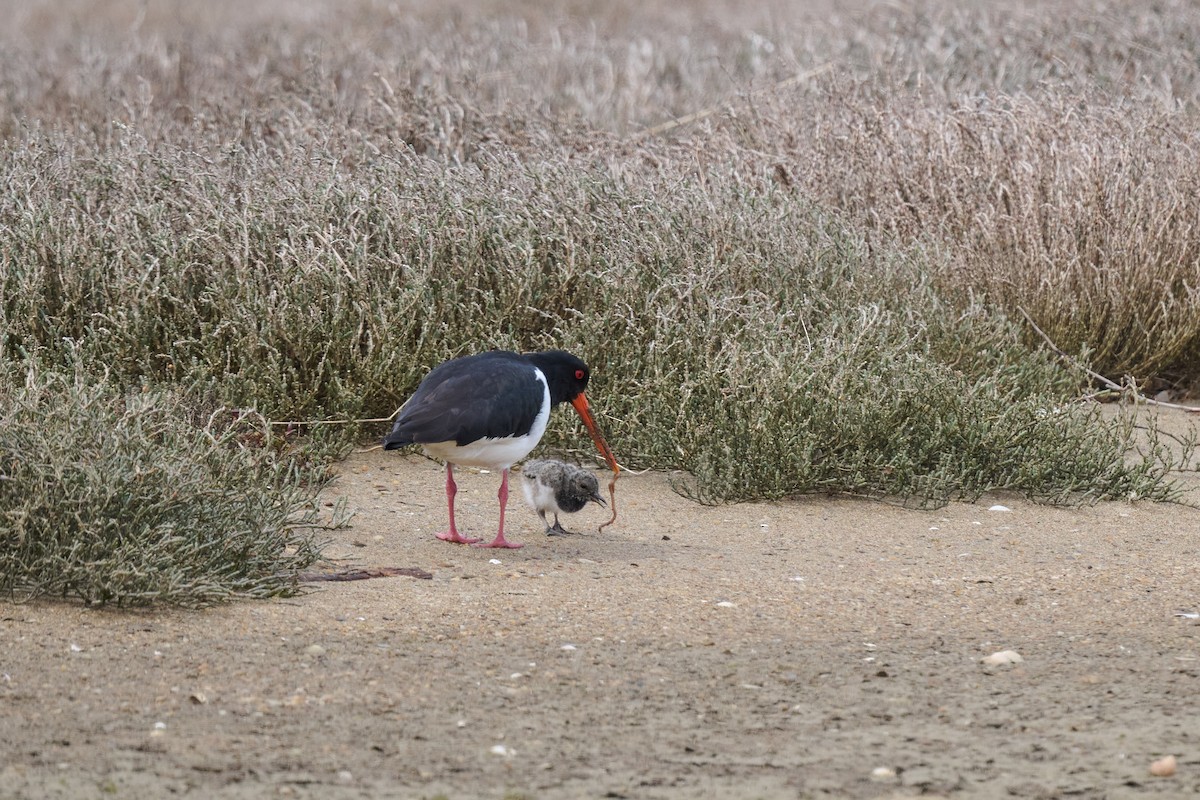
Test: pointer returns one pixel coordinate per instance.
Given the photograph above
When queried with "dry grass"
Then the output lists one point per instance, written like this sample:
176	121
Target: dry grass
1082	214
116	497
806	284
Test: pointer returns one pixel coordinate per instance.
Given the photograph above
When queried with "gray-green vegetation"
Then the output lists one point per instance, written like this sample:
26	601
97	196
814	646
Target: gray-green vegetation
813	283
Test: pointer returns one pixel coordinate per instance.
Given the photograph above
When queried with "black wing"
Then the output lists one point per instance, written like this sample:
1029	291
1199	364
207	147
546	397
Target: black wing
489	395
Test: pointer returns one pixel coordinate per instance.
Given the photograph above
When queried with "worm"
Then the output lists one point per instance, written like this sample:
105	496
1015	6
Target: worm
612	499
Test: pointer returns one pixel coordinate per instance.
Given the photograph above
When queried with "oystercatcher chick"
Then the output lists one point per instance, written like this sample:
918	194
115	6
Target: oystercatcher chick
559	488
490	410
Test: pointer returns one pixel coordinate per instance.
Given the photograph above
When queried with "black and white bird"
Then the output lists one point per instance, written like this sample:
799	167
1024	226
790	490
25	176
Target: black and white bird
556	487
490	410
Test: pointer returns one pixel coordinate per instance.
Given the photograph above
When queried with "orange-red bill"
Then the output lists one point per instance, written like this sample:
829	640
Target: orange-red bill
581	405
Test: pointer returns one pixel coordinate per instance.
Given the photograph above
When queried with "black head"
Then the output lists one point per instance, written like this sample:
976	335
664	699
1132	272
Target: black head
580	489
567	375
586	487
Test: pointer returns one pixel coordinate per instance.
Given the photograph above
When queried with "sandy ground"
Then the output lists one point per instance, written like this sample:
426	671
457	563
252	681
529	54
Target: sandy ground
818	648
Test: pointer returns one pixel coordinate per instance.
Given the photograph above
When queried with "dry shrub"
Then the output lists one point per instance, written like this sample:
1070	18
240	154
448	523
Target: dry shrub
737	332
1081	213
124	498
805	285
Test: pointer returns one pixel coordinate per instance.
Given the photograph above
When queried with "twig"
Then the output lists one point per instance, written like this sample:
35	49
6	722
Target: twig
300	423
688	119
363	574
1097	376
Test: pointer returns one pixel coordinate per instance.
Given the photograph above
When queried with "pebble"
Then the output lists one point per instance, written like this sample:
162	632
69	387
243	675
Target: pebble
500	750
1164	767
1002	657
726	604
882	773
999	508
314	650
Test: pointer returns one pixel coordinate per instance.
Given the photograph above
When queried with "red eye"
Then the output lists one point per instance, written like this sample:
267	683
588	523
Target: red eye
578	374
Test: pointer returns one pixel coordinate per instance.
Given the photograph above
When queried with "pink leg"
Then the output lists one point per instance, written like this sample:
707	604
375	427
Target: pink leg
453	535
500	541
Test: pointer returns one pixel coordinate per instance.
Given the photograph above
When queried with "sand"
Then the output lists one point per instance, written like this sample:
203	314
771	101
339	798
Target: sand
816	648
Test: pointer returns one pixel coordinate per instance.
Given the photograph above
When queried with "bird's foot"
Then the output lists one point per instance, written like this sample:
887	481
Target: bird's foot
559	530
500	541
456	538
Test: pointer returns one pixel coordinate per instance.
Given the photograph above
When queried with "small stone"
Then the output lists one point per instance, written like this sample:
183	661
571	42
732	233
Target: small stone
314	650
1002	658
999	508
726	604
500	750
198	698
1164	767
495	561
568	647
882	774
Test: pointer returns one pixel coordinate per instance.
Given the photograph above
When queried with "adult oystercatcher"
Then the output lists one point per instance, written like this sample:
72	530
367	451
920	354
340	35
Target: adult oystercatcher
559	488
490	410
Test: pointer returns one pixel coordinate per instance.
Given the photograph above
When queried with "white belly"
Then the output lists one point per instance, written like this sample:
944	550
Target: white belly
538	495
500	453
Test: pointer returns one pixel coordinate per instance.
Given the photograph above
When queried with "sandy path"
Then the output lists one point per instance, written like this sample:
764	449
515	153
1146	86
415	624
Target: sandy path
763	650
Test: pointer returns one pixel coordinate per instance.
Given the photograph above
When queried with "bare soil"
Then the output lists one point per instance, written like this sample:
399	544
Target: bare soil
821	648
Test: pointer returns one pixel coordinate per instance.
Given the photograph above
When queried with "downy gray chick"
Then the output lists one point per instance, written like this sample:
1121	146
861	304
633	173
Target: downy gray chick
558	487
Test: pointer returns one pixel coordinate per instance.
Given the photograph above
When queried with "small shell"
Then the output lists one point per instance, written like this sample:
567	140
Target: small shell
1163	767
1002	658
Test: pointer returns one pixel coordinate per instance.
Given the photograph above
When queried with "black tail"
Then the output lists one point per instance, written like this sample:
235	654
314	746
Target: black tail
394	441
